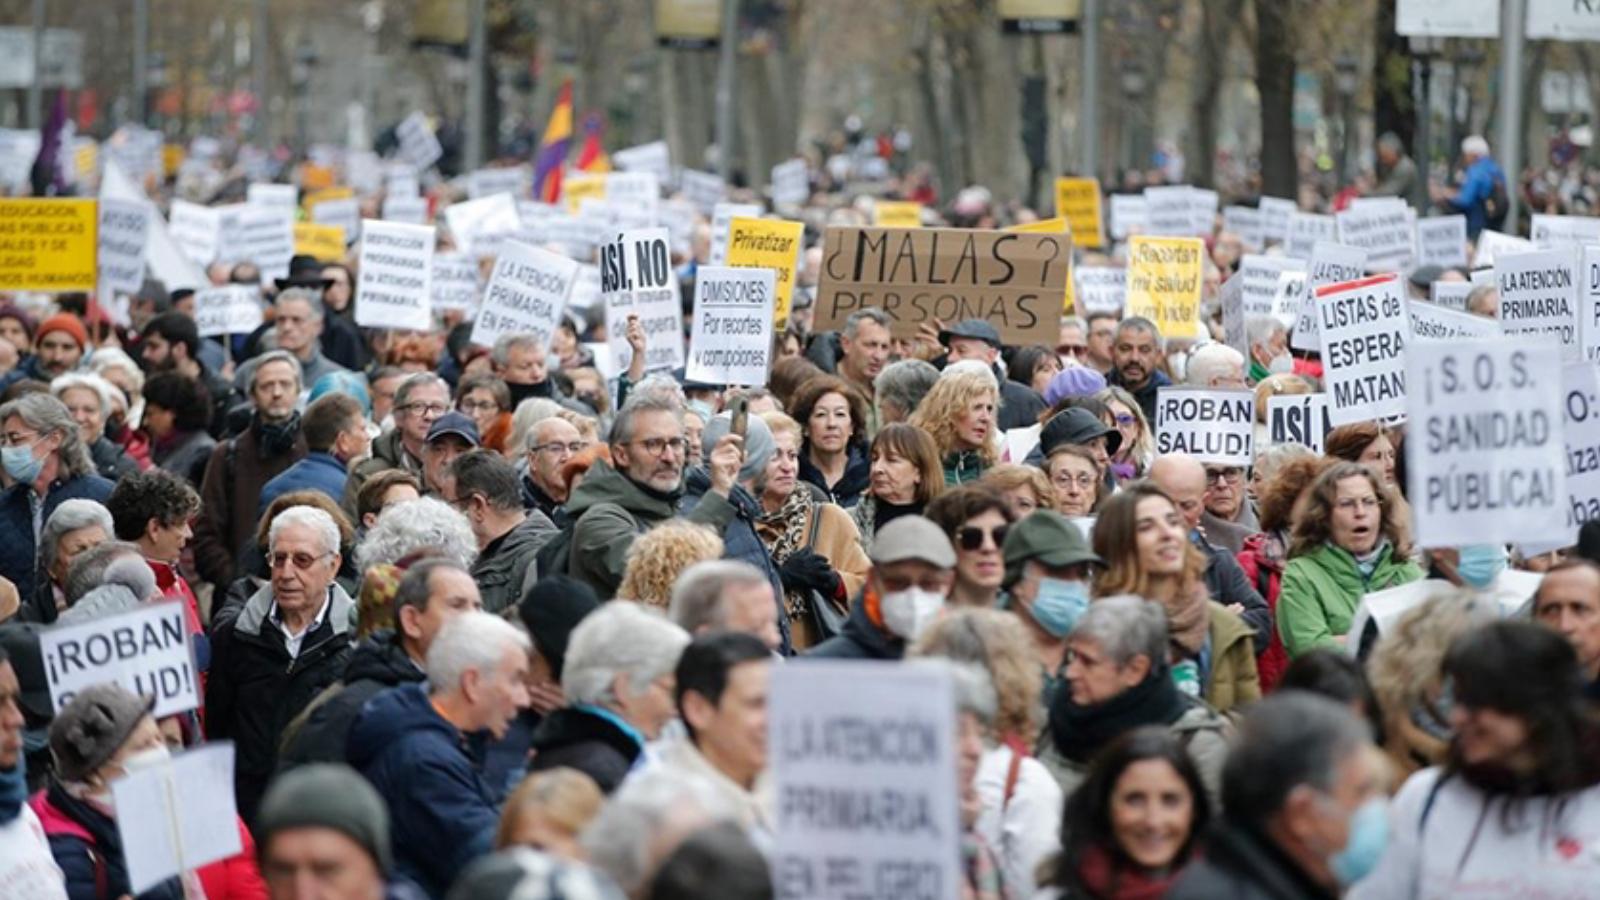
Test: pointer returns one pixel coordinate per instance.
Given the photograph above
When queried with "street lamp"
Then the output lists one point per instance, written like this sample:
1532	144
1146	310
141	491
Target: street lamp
1133	88
1423	51
305	58
1346	76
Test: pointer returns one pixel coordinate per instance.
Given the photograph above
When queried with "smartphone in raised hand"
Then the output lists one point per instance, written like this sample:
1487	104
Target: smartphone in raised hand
739	408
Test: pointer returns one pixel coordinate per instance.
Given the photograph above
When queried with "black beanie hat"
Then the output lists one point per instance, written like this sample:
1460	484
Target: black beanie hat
552	608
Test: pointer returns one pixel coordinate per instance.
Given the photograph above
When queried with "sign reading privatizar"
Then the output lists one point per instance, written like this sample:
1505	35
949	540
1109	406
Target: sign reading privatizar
1365	332
47	244
1013	281
768	244
1164	276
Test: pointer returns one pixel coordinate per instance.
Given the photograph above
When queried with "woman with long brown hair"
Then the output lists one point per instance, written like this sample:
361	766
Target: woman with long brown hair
1143	539
905	477
833	454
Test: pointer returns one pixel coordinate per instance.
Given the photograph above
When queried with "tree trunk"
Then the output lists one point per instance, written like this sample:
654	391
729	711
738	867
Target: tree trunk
1216	33
1275	83
1392	106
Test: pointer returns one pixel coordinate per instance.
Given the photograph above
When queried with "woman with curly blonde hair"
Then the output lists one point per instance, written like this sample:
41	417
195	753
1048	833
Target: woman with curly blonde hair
959	414
660	555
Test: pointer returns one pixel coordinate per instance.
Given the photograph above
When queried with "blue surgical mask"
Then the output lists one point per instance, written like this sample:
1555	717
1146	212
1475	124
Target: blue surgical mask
1480	564
1058	604
1369	833
21	464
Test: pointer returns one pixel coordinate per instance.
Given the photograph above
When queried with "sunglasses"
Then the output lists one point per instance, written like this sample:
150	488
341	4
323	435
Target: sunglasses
1072	349
1124	420
971	538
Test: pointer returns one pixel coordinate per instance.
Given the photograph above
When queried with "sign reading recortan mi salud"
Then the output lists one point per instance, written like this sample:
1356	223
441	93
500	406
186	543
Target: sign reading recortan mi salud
1013	281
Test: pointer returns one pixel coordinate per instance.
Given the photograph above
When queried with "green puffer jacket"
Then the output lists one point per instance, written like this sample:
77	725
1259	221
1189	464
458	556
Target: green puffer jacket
1322	589
963	467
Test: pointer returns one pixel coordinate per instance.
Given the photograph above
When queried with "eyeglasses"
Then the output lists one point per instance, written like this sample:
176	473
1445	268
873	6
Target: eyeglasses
425	409
1072	349
477	406
658	446
971	537
302	561
1226	476
1083	480
1351	504
571	449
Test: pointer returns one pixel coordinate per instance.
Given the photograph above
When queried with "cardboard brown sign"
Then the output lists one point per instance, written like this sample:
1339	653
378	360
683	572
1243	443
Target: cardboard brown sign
1014	281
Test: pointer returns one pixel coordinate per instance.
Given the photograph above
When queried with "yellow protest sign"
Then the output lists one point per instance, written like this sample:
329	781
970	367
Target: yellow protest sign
333	193
1078	200
1164	275
47	245
576	187
768	244
86	160
897	214
1058	225
172	156
318	178
325	242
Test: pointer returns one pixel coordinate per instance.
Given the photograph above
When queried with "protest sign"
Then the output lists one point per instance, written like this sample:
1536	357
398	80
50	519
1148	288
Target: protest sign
769	244
1275	214
1245	222
722	216
1450	294
1484	453
146	651
273	196
455	282
400	180
636	278
1099	288
1442	241
1330	264
1383	230
1365	330
1078	201
1298	419
1231	298
1539	295
1212	426
730	341
1564	231
323	242
1305	229
1055	225
896	214
124	227
511	180
791	183
1129	215
1019	442
654	158
405	210
1167	210
479	226
230	309
635	196
1581	441
846	738
703	189
1164	283
47	244
576	188
1013	281
264	236
418	144
396	268
1289	297
1493	244
18	149
186	815
1261	280
586	295
1589	303
344	213
527	294
1202	212
1441	324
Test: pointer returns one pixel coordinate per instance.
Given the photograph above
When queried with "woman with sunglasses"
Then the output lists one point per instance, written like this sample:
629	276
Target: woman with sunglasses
1133	458
976	518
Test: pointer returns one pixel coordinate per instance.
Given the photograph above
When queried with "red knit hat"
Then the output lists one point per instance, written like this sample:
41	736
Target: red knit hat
67	322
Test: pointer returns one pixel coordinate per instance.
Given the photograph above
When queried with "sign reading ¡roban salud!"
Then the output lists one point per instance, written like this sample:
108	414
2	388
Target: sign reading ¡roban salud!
1212	426
146	651
1013	281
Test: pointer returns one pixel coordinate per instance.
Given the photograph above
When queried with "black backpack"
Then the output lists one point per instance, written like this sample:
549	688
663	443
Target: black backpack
1497	204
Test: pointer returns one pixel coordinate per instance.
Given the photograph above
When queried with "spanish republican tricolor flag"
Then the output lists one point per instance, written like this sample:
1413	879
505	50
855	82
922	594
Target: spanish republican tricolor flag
553	149
592	158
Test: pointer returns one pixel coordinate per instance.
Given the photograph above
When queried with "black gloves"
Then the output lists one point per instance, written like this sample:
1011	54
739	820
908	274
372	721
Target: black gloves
805	570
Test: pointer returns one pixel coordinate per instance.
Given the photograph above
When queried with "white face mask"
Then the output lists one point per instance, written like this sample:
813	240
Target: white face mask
148	758
1281	364
909	612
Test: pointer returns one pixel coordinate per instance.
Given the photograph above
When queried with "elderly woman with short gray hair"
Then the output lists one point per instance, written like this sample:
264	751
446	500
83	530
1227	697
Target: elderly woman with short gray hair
89	399
618	678
45	463
75	526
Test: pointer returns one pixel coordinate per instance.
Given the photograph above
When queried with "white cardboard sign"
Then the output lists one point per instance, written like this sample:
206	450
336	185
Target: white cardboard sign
1212	426
1246	222
1275	214
1564	231
722	216
1383	229
1439	324
791	183
527	294
396	270
418	144
1442	241
1485	455
1260	274
1450	294
230	309
146	651
636	278
1589	303
703	189
1581	414
455	282
1231	298
1130	215
273	196
345	213
654	158
488	182
196	230
1299	419
1330	264
123	229
1493	244
1305	229
1539	294
1169	210
187	818
1365	332
406	210
480	226
731	339
1100	288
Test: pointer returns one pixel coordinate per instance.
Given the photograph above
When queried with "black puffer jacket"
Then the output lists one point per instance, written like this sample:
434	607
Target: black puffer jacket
591	743
321	732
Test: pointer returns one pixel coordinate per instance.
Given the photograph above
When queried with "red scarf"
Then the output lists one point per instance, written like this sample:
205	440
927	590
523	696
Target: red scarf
1108	879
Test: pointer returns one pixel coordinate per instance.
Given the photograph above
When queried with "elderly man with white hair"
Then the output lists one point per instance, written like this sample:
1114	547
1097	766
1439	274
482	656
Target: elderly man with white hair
290	641
410	742
618	680
1482	195
1215	366
1269	347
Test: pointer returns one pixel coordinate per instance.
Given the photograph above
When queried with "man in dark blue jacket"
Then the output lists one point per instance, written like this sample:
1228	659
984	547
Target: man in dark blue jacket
410	743
336	435
913	569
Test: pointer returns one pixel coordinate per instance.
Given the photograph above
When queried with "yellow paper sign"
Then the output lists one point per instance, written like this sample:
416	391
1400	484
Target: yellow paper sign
172	156
768	244
897	214
47	245
326	194
1164	275
86	159
576	187
325	242
1058	225
1078	200
318	178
